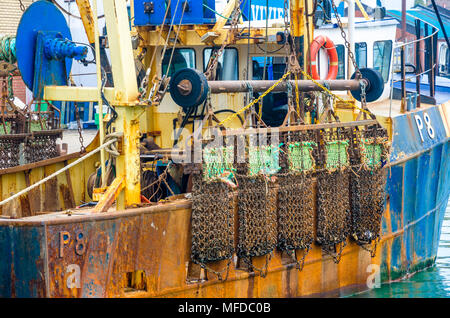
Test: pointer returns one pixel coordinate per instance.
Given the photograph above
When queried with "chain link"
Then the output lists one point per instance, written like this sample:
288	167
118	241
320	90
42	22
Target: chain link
350	54
295	213
281	210
9	152
363	99
22	7
347	44
333	195
39	148
212	222
278	211
368	188
293	65
257	210
10	87
80	133
216	54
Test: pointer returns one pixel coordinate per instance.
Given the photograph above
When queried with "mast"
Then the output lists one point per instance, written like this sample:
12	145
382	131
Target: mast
351	32
404	20
402	58
438	15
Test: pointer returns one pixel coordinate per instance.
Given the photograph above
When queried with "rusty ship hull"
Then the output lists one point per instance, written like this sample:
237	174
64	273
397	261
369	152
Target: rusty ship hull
145	252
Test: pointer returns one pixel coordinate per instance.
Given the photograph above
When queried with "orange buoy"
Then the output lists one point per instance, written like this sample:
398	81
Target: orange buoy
326	43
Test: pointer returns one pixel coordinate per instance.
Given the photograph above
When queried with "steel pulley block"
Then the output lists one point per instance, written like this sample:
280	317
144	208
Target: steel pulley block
374	85
188	88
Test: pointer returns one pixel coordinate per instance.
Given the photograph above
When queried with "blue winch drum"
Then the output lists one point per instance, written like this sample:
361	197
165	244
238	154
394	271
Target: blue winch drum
39	16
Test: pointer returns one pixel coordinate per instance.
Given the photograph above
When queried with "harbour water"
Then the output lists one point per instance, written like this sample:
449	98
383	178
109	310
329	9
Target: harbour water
433	282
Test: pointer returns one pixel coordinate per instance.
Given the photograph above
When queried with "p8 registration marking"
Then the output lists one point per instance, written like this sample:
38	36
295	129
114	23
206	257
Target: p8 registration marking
79	239
424	123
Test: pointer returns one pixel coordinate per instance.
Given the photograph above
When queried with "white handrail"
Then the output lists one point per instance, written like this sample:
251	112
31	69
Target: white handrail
421	39
403	45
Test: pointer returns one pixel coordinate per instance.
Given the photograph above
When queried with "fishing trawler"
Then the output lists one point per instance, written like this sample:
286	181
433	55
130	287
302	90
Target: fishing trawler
225	166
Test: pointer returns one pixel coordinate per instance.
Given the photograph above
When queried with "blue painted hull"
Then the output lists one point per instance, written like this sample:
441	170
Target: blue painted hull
418	189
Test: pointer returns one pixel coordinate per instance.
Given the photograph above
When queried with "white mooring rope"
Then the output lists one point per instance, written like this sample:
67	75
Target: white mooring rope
18	194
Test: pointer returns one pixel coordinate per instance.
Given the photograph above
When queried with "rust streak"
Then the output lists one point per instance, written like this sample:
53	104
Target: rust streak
71	203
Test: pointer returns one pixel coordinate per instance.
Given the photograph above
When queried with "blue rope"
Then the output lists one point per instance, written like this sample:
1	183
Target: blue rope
8	49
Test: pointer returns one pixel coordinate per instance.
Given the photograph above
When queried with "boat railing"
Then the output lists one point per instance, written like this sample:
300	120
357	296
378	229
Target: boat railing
430	57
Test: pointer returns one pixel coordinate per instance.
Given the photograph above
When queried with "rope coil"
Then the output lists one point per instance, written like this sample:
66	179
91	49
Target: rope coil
8	49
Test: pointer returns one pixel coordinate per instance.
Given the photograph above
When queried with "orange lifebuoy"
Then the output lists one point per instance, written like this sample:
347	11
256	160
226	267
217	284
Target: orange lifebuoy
316	45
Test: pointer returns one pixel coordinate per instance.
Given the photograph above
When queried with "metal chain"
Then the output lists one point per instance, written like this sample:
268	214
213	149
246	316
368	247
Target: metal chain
257	207
219	274
280	212
22	7
77	116
286	26
215	55
368	188
333	194
350	54
295	214
291	50
363	98
185	5
10	87
212	224
292	64
39	148
254	101
347	44
9	152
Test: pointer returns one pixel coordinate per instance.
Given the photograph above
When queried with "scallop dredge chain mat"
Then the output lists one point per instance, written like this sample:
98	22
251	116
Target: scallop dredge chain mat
278	210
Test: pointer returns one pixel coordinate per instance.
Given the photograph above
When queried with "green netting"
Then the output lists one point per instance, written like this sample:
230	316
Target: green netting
336	154
300	157
218	163
263	160
372	153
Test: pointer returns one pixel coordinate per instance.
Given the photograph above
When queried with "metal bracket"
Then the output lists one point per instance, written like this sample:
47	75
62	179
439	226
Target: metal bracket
149	7
97	194
110	195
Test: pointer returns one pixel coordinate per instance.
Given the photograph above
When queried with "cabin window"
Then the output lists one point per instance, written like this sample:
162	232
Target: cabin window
182	58
227	66
274	105
340	49
361	54
274	68
382	51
